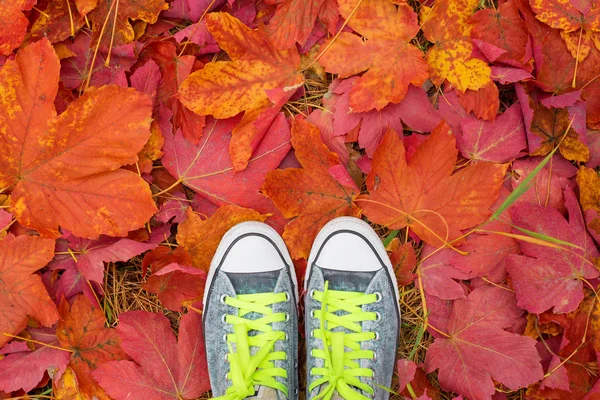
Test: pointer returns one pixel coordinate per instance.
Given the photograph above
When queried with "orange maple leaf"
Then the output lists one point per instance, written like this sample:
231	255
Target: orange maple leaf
224	89
201	237
447	26
13	24
310	193
81	329
580	30
392	64
64	169
22	293
423	194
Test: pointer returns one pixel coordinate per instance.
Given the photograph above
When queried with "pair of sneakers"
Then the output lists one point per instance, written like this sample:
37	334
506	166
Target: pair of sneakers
351	308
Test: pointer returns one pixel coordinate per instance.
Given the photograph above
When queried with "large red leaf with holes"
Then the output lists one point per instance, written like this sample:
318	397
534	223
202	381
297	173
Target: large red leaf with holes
163	367
21	293
64	169
309	194
475	348
424	193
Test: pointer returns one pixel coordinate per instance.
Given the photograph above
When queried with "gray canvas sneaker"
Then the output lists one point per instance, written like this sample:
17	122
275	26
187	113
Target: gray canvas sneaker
352	314
250	316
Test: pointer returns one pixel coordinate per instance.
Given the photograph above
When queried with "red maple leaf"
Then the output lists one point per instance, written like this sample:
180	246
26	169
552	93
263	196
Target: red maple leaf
163	367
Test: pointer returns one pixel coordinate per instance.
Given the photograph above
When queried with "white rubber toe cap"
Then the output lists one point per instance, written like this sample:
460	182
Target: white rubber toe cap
348	243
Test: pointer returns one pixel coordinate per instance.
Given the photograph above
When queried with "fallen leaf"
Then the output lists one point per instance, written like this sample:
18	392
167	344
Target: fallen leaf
545	277
308	194
25	370
499	141
206	167
112	24
175	284
21	292
163	368
447	26
484	102
440	278
588	181
13	24
81	329
76	69
579	30
59	20
71	159
414	110
67	387
477	349
92	254
487	255
201	238
224	89
390	61
163	256
423	194
294	20
504	28
546	188
550	125
404	262
406	370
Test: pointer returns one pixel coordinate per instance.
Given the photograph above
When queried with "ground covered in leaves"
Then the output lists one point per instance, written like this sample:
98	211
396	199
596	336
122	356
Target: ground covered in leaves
135	133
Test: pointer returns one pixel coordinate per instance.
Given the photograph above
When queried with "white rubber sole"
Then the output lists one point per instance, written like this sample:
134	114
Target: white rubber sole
354	225
232	235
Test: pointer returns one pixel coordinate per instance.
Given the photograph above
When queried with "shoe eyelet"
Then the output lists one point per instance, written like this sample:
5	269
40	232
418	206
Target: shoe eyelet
226	376
296	391
312	293
376	336
377	316
223	298
225	338
313	314
374	357
285	338
287	296
379	297
287	317
223	318
312	334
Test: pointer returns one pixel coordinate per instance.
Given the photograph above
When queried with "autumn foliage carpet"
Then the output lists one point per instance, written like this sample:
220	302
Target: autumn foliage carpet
134	134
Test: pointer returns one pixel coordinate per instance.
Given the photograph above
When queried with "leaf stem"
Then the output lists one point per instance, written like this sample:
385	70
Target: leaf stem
36	342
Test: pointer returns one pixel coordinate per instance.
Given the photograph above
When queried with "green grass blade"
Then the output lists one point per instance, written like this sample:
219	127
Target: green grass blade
523	187
390	237
546	238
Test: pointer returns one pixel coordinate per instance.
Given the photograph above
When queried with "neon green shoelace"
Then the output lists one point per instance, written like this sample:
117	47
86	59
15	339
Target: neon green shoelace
246	370
342	371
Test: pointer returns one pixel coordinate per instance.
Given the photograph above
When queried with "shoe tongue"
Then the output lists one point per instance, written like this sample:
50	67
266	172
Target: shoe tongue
255	282
348	281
